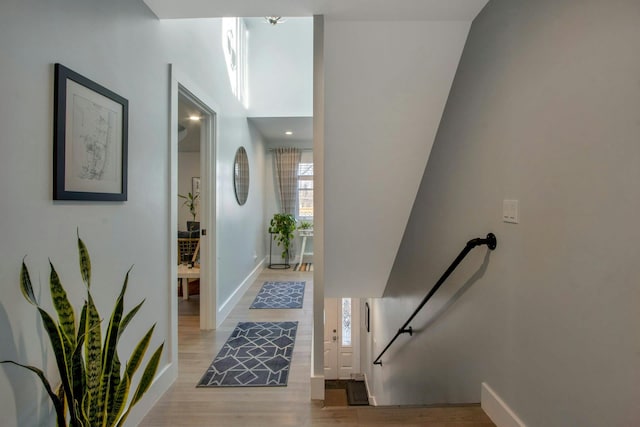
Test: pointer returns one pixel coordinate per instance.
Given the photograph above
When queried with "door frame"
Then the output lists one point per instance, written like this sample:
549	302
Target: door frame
355	334
183	85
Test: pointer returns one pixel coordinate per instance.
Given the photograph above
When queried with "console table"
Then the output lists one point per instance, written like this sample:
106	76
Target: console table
304	233
184	274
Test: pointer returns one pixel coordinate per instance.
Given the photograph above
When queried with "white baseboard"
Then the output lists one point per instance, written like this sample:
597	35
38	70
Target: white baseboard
372	398
160	385
230	303
317	387
497	409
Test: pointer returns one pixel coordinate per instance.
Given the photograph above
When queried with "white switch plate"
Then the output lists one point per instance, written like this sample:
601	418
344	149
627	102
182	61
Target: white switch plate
510	211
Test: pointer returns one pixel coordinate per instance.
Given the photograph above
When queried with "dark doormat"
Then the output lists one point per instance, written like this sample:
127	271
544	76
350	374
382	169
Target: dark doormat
357	393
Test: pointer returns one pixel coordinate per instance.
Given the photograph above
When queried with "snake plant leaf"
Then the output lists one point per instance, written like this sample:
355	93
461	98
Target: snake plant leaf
145	382
138	353
82	325
126	319
118	403
58	401
25	285
85	263
56	337
66	315
109	349
114	384
78	375
92	357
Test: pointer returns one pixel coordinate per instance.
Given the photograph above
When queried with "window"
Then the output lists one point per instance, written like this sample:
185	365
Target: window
346	322
305	191
234	46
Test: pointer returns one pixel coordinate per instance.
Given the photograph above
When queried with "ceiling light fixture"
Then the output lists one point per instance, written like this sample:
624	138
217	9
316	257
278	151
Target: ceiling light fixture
274	20
288	132
194	118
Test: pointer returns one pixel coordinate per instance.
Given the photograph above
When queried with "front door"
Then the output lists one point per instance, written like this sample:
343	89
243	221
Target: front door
340	337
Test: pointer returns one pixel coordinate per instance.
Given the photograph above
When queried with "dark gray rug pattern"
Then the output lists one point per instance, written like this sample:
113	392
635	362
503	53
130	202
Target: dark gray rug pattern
257	354
280	295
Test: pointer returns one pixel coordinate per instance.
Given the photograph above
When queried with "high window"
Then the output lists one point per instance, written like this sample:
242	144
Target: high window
234	46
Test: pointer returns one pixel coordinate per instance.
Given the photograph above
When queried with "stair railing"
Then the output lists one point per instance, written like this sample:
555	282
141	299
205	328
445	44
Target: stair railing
491	243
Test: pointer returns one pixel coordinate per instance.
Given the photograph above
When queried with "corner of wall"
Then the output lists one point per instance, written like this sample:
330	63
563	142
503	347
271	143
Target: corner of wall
226	307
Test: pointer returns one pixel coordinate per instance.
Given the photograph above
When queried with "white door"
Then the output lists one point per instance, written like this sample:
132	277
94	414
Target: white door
340	337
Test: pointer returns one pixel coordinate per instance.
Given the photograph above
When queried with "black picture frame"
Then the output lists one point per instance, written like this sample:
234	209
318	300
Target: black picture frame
367	321
90	131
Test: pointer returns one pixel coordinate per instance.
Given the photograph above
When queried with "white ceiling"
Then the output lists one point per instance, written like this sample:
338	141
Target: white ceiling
273	129
191	139
366	10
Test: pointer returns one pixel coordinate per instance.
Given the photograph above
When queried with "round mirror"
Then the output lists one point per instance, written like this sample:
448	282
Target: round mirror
241	175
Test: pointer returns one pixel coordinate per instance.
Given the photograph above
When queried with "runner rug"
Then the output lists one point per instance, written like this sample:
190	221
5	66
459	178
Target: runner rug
257	354
280	295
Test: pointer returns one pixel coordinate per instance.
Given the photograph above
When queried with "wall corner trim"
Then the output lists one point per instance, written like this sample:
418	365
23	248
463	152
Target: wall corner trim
317	387
372	398
497	409
227	306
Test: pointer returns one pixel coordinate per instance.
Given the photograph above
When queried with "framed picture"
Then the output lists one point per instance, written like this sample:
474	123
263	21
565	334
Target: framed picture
195	185
367	321
89	138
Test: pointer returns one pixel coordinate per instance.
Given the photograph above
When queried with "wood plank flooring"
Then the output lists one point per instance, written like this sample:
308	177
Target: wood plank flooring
186	405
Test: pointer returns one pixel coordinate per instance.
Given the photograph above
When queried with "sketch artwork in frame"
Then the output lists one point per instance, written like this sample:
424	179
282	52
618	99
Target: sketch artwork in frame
89	138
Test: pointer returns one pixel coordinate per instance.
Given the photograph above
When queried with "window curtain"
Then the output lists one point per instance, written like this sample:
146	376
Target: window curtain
287	161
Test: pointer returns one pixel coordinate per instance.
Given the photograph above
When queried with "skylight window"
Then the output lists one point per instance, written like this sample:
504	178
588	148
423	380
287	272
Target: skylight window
234	46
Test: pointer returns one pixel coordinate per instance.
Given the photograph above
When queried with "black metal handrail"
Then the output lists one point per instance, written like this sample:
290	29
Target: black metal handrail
490	241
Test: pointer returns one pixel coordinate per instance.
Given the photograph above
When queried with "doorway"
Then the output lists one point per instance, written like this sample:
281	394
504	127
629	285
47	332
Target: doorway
203	117
341	338
182	86
190	140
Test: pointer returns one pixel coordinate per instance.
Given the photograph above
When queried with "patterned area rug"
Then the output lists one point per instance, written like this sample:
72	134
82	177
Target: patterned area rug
280	295
257	354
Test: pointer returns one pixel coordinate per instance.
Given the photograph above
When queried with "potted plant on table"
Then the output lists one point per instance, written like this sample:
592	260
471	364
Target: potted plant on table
191	201
282	227
305	225
95	388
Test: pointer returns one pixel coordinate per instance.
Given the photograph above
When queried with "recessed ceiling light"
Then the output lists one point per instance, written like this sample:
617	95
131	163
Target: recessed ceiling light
288	132
194	118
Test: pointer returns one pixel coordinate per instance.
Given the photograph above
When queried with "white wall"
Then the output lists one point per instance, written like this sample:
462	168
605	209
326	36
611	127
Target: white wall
280	66
544	109
386	84
121	45
188	167
240	228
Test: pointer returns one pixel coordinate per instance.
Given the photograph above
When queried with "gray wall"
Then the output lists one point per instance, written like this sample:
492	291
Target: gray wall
545	108
121	45
386	84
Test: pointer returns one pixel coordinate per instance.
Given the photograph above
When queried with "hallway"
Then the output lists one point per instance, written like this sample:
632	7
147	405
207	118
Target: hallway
186	405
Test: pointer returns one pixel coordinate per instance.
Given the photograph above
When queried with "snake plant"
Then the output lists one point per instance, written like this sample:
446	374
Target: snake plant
95	386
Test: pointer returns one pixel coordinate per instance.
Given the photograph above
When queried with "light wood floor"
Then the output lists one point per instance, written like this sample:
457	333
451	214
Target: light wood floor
186	405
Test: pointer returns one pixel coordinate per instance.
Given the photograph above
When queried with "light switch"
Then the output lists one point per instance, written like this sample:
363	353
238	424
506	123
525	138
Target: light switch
510	211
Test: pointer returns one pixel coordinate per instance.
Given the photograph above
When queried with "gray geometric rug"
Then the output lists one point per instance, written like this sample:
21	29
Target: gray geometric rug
280	295
257	354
